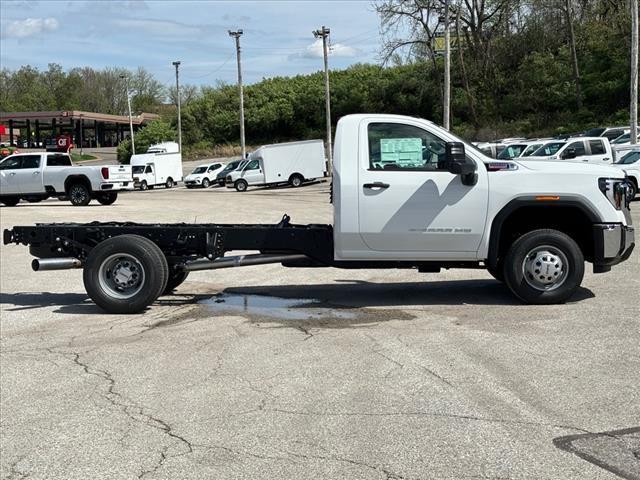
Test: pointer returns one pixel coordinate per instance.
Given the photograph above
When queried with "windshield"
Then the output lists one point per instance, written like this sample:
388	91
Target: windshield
511	151
138	169
530	149
548	149
594	132
200	169
622	138
629	158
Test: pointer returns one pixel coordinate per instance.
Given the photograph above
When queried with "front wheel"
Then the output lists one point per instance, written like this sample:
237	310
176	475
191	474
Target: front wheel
79	195
107	198
241	185
10	201
144	185
125	274
544	267
206	183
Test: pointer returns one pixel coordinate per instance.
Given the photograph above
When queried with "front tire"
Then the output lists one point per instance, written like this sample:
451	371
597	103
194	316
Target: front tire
241	185
125	274
144	185
107	198
544	267
79	195
206	183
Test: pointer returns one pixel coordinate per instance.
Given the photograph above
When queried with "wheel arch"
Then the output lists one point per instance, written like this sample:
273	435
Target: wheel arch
524	214
73	179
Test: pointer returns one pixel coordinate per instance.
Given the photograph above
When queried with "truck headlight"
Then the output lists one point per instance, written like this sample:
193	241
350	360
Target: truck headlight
616	190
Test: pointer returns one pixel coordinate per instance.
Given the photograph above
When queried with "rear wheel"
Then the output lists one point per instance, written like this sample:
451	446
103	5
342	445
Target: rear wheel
10	201
206	183
241	185
169	183
107	198
296	180
633	187
544	267
144	185
79	195
176	278
125	274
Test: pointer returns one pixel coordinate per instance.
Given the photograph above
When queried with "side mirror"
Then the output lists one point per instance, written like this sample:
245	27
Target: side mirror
456	162
570	153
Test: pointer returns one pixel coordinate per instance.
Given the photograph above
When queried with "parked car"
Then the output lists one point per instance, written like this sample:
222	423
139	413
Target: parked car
203	175
548	149
581	149
519	149
36	176
630	164
229	167
160	165
609	132
290	163
491	149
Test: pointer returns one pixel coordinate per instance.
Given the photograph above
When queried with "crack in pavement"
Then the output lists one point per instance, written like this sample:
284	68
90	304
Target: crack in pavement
134	411
388	474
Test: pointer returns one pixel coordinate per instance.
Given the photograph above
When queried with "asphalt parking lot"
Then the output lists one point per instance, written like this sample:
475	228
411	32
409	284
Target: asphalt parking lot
265	372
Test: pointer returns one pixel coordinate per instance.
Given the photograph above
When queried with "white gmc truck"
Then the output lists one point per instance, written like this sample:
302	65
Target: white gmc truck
406	194
37	176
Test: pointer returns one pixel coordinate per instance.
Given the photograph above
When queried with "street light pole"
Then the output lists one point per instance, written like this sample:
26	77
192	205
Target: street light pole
446	108
324	34
634	73
81	134
126	86
177	64
237	34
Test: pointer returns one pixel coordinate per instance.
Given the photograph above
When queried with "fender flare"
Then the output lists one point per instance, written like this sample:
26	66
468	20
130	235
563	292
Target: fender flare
572	201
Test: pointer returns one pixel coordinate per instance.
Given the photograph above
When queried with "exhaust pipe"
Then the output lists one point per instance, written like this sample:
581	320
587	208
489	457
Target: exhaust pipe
41	264
240	261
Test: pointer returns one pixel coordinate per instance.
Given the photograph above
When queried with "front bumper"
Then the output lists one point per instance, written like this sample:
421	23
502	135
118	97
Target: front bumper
612	244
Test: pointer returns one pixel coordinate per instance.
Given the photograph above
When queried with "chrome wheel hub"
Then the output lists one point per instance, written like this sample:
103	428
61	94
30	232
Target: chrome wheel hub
545	268
121	276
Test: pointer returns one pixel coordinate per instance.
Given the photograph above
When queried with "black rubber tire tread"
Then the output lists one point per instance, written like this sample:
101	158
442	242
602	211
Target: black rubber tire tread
107	198
150	256
296	176
169	183
208	183
87	196
514	277
10	201
144	186
176	278
498	273
241	182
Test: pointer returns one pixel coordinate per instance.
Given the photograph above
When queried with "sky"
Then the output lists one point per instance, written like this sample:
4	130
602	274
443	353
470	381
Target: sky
277	39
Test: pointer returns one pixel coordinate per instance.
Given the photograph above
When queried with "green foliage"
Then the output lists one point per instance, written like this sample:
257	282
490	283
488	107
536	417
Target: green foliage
155	132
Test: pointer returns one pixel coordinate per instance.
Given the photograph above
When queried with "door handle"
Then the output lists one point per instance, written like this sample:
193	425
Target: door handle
35	173
376	185
12	173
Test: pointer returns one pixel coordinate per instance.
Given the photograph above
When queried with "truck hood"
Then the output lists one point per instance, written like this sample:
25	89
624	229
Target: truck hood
194	176
541	164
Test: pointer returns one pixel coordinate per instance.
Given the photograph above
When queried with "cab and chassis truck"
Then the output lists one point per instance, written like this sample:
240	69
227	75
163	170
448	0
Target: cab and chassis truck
406	194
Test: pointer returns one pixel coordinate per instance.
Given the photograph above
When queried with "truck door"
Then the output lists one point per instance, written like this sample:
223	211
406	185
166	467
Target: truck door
407	202
8	181
253	173
29	176
150	174
597	152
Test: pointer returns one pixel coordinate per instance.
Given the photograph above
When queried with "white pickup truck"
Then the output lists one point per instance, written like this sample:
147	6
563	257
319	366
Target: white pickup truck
36	176
579	149
407	194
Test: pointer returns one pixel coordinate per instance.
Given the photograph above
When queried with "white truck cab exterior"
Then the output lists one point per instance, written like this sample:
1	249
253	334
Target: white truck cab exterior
160	165
579	149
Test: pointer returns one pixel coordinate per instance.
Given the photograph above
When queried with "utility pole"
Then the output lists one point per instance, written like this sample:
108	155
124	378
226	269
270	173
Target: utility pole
446	108
126	86
324	34
177	64
81	135
237	34
634	72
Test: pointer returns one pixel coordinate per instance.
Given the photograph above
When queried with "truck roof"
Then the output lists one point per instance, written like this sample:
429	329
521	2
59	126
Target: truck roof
286	144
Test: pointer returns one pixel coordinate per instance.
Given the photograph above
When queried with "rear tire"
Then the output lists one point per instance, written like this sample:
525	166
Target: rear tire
241	185
125	274
634	187
79	195
169	183
10	201
206	183
296	180
544	267
107	198
176	278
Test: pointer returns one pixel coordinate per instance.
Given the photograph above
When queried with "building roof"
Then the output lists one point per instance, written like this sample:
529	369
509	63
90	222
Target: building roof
76	115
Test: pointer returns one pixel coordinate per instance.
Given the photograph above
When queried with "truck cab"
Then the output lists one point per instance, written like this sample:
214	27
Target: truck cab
580	149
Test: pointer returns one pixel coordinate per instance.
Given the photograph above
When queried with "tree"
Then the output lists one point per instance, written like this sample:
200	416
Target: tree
156	131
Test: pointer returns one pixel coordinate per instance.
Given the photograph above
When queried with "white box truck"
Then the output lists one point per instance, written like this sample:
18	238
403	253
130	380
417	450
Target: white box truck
161	165
281	163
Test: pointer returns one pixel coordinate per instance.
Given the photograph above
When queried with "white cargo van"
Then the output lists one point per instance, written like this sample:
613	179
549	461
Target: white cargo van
281	163
161	165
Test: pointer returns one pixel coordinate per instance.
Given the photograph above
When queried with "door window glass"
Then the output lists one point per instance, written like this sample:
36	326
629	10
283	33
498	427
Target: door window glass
10	163
597	147
148	169
58	161
30	161
253	165
611	134
396	146
577	146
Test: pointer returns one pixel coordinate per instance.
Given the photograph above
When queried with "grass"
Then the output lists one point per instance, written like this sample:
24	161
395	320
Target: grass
76	157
